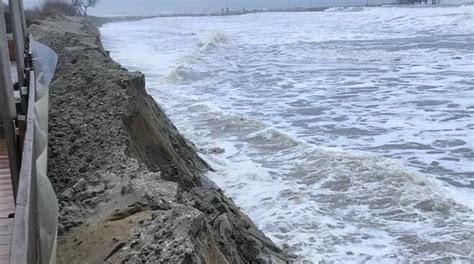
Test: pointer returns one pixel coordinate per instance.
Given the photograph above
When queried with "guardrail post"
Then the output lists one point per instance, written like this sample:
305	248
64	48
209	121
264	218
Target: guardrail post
7	102
19	37
23	20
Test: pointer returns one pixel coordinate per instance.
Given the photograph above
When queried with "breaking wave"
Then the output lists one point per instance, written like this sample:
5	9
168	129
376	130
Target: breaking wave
183	73
211	42
184	70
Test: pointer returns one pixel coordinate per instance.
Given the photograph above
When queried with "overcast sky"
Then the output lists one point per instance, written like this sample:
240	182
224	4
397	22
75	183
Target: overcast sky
150	7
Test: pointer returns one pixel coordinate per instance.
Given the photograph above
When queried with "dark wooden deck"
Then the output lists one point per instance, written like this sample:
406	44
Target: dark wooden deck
7	205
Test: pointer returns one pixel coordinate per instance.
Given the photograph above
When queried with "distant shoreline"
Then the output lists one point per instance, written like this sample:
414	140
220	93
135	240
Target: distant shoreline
101	20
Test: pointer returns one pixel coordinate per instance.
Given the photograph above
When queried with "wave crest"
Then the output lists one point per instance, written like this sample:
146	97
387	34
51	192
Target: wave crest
213	41
181	73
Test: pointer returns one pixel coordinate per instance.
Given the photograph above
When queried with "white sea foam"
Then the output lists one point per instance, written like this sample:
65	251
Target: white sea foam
305	105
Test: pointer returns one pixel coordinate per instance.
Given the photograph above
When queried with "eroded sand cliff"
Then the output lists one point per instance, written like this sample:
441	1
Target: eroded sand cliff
130	186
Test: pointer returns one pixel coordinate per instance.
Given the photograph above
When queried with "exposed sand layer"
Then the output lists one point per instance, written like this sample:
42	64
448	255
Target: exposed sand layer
130	186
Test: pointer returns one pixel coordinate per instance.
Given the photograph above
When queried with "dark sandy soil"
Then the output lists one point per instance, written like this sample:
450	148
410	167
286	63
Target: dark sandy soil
130	186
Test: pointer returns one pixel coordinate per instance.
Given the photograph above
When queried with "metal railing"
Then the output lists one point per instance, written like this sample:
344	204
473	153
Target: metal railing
25	126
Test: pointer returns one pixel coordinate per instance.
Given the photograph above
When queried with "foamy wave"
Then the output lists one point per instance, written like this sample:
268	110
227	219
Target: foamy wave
324	203
184	71
211	42
181	73
346	207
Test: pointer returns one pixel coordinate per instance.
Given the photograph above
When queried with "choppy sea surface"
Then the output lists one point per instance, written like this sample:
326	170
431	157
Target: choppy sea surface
346	135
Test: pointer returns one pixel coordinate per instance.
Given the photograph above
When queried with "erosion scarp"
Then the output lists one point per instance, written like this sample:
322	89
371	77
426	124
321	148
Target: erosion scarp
131	189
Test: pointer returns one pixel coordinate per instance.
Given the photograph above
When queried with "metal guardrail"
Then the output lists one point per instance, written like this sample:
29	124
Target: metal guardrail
25	123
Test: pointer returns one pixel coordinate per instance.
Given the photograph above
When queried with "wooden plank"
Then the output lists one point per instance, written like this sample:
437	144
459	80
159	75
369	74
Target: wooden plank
4	173
6	222
6	239
6	194
6	230
5	179
7	183
6	207
7	200
5	249
24	239
4	259
6	191
6	188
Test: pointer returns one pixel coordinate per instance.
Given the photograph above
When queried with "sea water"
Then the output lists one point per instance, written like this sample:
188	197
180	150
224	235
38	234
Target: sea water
346	135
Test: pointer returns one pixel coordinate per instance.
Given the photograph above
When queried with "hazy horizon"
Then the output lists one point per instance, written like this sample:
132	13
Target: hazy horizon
150	7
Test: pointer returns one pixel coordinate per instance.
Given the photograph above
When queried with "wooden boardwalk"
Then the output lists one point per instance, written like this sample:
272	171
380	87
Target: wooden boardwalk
7	205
